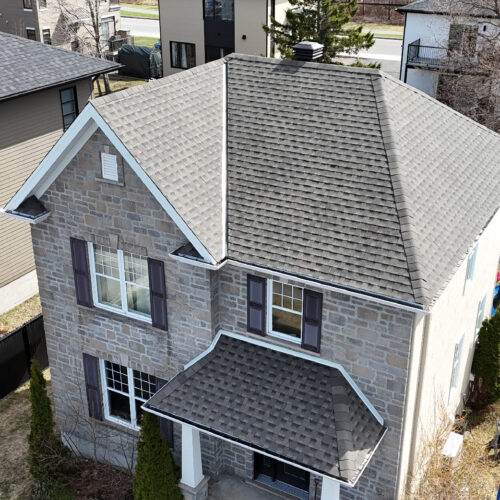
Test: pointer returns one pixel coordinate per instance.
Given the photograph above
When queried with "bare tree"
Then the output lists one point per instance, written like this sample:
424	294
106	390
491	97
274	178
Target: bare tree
470	81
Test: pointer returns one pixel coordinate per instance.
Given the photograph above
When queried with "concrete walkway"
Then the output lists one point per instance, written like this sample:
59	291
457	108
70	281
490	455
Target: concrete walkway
233	488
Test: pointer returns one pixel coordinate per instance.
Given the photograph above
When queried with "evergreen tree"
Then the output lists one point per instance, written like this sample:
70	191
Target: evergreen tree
155	473
486	362
321	21
46	451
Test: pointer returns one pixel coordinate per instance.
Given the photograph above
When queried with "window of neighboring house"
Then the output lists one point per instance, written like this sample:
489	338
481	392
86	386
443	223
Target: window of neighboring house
471	265
120	281
213	53
27	4
182	55
108	27
75	45
46	36
124	392
219	10
285	305
69	106
463	39
30	33
42	4
455	371
480	314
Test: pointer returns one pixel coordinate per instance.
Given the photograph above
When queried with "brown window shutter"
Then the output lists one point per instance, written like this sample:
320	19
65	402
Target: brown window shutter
94	396
311	320
256	304
158	294
166	425
81	272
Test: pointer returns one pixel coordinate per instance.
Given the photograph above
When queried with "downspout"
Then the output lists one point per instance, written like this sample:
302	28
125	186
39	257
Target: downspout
403	54
410	470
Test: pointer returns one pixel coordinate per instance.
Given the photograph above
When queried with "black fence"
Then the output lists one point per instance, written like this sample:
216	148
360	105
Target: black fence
382	11
17	350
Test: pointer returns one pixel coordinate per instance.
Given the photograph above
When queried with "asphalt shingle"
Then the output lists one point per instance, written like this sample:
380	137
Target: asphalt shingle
28	66
290	407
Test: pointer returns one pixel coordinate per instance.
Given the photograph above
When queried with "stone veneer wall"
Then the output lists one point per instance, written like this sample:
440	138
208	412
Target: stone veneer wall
370	341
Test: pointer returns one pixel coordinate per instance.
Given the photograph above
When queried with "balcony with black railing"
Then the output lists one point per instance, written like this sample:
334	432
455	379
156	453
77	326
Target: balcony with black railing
427	56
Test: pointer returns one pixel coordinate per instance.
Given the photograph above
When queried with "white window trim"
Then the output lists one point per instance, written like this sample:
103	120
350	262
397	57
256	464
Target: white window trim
123	287
131	395
269	319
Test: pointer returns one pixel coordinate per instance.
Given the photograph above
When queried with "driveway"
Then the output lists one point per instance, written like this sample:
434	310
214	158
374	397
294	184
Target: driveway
141	27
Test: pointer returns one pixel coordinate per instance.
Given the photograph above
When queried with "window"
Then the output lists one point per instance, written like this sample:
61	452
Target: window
480	314
120	281
109	167
214	53
42	4
285	319
182	55
471	264
30	34
108	27
27	4
463	39
456	366
218	10
75	45
69	106
125	390
46	36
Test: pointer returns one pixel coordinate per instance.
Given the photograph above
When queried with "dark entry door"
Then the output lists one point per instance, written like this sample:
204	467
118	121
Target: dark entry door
279	471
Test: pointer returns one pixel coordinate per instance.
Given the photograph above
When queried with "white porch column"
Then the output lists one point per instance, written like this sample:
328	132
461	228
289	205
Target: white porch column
192	473
330	490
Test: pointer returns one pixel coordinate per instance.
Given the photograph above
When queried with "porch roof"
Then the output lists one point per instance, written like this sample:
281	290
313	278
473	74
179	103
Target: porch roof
290	406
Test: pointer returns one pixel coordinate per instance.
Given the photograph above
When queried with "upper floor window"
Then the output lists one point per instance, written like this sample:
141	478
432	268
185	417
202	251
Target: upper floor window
30	33
120	281
283	310
27	4
69	106
124	392
182	55
286	307
463	39
108	27
42	4
46	36
220	10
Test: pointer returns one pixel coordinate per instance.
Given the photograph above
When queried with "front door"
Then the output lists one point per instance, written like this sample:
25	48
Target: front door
279	471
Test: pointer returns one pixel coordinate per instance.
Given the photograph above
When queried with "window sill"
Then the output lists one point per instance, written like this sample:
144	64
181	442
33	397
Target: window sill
137	317
296	346
108	181
121	425
285	337
28	10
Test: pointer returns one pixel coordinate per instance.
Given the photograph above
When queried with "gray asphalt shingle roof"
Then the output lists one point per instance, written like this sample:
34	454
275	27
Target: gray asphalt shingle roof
287	406
338	174
28	66
455	7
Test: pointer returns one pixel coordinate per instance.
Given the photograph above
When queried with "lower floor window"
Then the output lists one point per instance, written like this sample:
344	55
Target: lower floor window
125	390
30	33
182	55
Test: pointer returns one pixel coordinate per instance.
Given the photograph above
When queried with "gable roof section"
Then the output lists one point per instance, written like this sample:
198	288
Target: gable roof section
176	133
28	66
450	7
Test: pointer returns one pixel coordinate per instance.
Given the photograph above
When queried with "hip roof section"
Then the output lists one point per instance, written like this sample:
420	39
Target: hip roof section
28	66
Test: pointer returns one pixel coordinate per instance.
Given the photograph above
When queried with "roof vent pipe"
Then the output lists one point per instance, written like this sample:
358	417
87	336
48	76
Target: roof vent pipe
307	51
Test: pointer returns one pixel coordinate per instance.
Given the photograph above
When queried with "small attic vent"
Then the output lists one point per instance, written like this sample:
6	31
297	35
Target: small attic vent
109	167
307	51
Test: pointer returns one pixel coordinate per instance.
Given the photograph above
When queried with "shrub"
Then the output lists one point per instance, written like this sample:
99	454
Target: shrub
486	362
46	451
155	472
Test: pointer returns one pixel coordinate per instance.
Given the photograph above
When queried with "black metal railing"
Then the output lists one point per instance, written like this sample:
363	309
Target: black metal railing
424	55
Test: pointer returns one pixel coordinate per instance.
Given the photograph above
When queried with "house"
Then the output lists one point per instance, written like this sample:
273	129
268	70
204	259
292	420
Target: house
195	32
446	47
42	90
287	262
55	22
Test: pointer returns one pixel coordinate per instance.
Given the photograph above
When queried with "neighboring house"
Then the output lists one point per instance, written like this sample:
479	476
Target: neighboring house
42	90
195	32
63	23
302	253
442	55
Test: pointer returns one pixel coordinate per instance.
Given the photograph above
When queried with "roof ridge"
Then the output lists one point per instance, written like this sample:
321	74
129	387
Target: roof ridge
436	102
402	209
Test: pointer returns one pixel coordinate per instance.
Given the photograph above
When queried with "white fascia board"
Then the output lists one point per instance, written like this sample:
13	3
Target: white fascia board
290	352
80	131
29	220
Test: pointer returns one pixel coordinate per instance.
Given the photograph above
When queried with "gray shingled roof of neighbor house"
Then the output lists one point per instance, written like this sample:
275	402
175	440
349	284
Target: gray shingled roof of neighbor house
338	174
311	417
28	66
455	7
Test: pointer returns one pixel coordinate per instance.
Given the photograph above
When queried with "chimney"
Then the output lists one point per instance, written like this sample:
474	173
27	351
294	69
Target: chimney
307	51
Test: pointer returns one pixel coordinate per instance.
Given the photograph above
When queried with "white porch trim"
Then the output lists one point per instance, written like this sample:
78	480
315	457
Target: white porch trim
330	490
192	473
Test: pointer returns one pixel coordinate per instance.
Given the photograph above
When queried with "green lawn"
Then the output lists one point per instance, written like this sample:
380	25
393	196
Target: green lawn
145	41
18	315
142	15
125	5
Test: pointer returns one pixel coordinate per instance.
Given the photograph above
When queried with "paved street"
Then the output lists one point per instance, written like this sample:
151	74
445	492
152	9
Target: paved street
141	27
